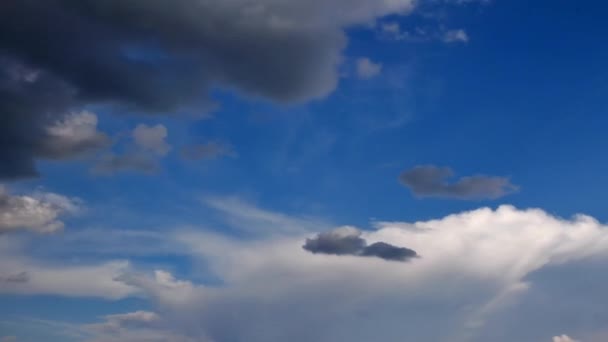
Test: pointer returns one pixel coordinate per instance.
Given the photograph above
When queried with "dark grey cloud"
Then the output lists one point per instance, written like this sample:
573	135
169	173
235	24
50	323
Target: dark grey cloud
433	181
59	56
348	241
207	151
387	251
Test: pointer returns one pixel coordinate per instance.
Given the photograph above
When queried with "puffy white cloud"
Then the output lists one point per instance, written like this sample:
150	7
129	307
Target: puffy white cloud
39	212
367	69
473	265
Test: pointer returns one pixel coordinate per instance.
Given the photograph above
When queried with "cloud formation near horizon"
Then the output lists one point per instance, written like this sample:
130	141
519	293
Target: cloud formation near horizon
433	181
472	278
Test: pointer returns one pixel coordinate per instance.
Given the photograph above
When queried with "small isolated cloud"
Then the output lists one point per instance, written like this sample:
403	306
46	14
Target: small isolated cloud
74	135
367	69
8	339
152	138
564	338
455	36
39	212
432	181
144	152
208	151
348	241
110	164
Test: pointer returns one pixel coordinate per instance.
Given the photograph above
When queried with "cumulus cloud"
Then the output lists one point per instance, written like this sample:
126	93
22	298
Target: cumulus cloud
432	181
477	269
76	134
475	264
208	151
152	138
161	57
40	212
367	69
348	241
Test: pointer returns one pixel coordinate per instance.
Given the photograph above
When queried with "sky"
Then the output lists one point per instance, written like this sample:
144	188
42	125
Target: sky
322	170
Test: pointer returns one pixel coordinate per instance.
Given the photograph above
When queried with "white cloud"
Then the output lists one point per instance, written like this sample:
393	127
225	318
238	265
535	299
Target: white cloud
472	265
455	36
39	212
564	338
152	138
367	69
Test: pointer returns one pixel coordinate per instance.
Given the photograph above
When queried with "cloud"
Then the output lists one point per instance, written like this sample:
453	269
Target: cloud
476	264
115	323
387	251
392	30
39	212
152	138
455	36
247	218
479	270
564	338
208	151
8	339
24	275
367	69
20	277
161	57
348	241
76	134
431	181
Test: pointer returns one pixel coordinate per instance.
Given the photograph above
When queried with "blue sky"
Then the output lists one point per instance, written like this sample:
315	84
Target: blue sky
182	166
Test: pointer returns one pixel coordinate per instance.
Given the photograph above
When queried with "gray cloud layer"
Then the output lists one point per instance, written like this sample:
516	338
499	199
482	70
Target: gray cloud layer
433	181
348	241
58	56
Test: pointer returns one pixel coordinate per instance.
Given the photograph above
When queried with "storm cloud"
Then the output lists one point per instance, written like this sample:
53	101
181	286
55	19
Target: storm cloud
60	56
433	181
348	241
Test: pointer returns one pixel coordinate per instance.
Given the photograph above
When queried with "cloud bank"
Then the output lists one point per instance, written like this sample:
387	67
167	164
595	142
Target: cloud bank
477	272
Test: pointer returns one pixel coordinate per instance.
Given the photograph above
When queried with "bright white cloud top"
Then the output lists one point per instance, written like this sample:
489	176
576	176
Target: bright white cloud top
473	267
